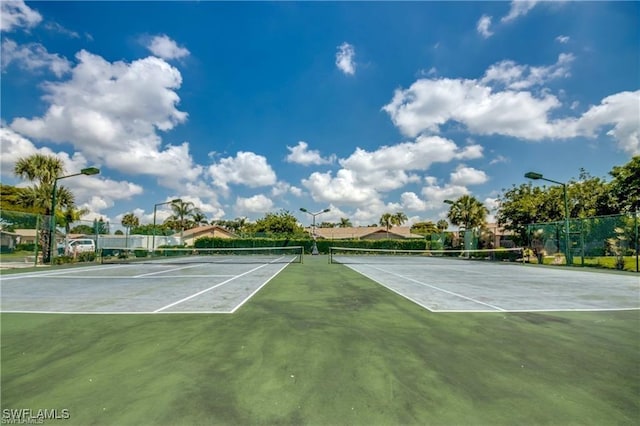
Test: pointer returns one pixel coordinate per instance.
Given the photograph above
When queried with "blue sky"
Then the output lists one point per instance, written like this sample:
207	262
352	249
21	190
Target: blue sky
366	107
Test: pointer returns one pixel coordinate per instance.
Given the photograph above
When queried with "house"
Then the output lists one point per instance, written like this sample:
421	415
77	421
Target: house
8	241
29	236
365	233
189	236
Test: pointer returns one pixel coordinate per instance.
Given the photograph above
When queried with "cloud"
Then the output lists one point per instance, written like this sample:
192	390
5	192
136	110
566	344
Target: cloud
468	176
483	25
94	193
256	204
16	14
519	8
344	58
246	168
562	39
300	154
366	176
514	76
497	104
165	48
622	111
33	57
113	113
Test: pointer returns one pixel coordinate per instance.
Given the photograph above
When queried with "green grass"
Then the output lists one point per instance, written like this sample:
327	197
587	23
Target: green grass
322	345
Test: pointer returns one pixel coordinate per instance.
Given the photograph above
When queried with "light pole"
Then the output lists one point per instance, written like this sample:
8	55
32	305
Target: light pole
155	206
567	249
314	249
52	228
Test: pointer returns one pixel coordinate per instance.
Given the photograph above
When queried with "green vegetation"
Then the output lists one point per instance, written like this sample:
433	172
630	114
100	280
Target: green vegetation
322	345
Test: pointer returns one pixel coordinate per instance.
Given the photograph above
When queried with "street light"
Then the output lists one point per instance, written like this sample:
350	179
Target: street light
314	249
52	228
155	206
567	250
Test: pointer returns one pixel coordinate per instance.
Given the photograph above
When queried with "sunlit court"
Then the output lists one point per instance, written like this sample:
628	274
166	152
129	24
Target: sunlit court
203	282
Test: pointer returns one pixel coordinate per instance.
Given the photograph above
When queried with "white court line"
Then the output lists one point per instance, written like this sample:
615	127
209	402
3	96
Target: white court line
126	277
53	274
258	289
211	288
440	289
166	270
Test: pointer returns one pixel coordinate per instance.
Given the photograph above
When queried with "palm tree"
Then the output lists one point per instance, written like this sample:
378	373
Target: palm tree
69	215
442	225
199	218
129	220
182	217
43	170
399	218
467	212
344	223
386	220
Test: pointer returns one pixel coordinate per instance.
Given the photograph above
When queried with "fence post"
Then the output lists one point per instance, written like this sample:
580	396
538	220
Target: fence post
635	222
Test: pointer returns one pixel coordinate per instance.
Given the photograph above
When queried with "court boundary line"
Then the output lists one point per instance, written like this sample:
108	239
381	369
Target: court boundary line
253	293
453	293
213	287
435	310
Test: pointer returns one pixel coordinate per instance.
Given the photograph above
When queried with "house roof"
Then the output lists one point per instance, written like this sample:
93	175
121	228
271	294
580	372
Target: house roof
193	232
363	232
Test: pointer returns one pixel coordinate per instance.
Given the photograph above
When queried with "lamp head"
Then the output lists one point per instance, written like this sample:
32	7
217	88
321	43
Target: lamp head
177	200
533	175
90	171
326	210
449	202
302	209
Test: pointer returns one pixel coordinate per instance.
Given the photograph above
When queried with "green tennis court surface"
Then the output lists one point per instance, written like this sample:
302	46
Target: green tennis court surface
321	344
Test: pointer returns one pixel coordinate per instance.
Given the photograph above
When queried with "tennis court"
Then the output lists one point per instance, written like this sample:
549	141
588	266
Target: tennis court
442	284
176	284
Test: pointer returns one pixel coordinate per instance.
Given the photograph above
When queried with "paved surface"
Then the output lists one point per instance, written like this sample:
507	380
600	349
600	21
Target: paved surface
454	286
136	288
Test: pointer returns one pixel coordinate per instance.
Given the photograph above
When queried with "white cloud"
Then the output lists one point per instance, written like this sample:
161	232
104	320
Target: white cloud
16	14
429	103
93	192
468	176
499	159
112	112
341	189
344	58
165	48
483	25
622	111
246	168
301	154
519	8
33	57
562	39
514	76
256	204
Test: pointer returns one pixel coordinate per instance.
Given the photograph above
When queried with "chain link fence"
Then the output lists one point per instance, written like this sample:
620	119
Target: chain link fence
601	241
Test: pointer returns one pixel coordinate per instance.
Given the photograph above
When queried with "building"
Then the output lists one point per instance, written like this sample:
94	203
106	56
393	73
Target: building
189	236
365	233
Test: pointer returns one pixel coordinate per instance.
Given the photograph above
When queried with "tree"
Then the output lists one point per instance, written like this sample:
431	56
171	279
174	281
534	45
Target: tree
43	170
424	228
129	220
625	186
386	220
327	225
442	225
399	218
199	218
468	213
282	223
183	215
69	215
344	223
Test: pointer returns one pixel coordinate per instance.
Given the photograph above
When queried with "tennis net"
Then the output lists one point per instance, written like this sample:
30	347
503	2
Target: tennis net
293	254
351	255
